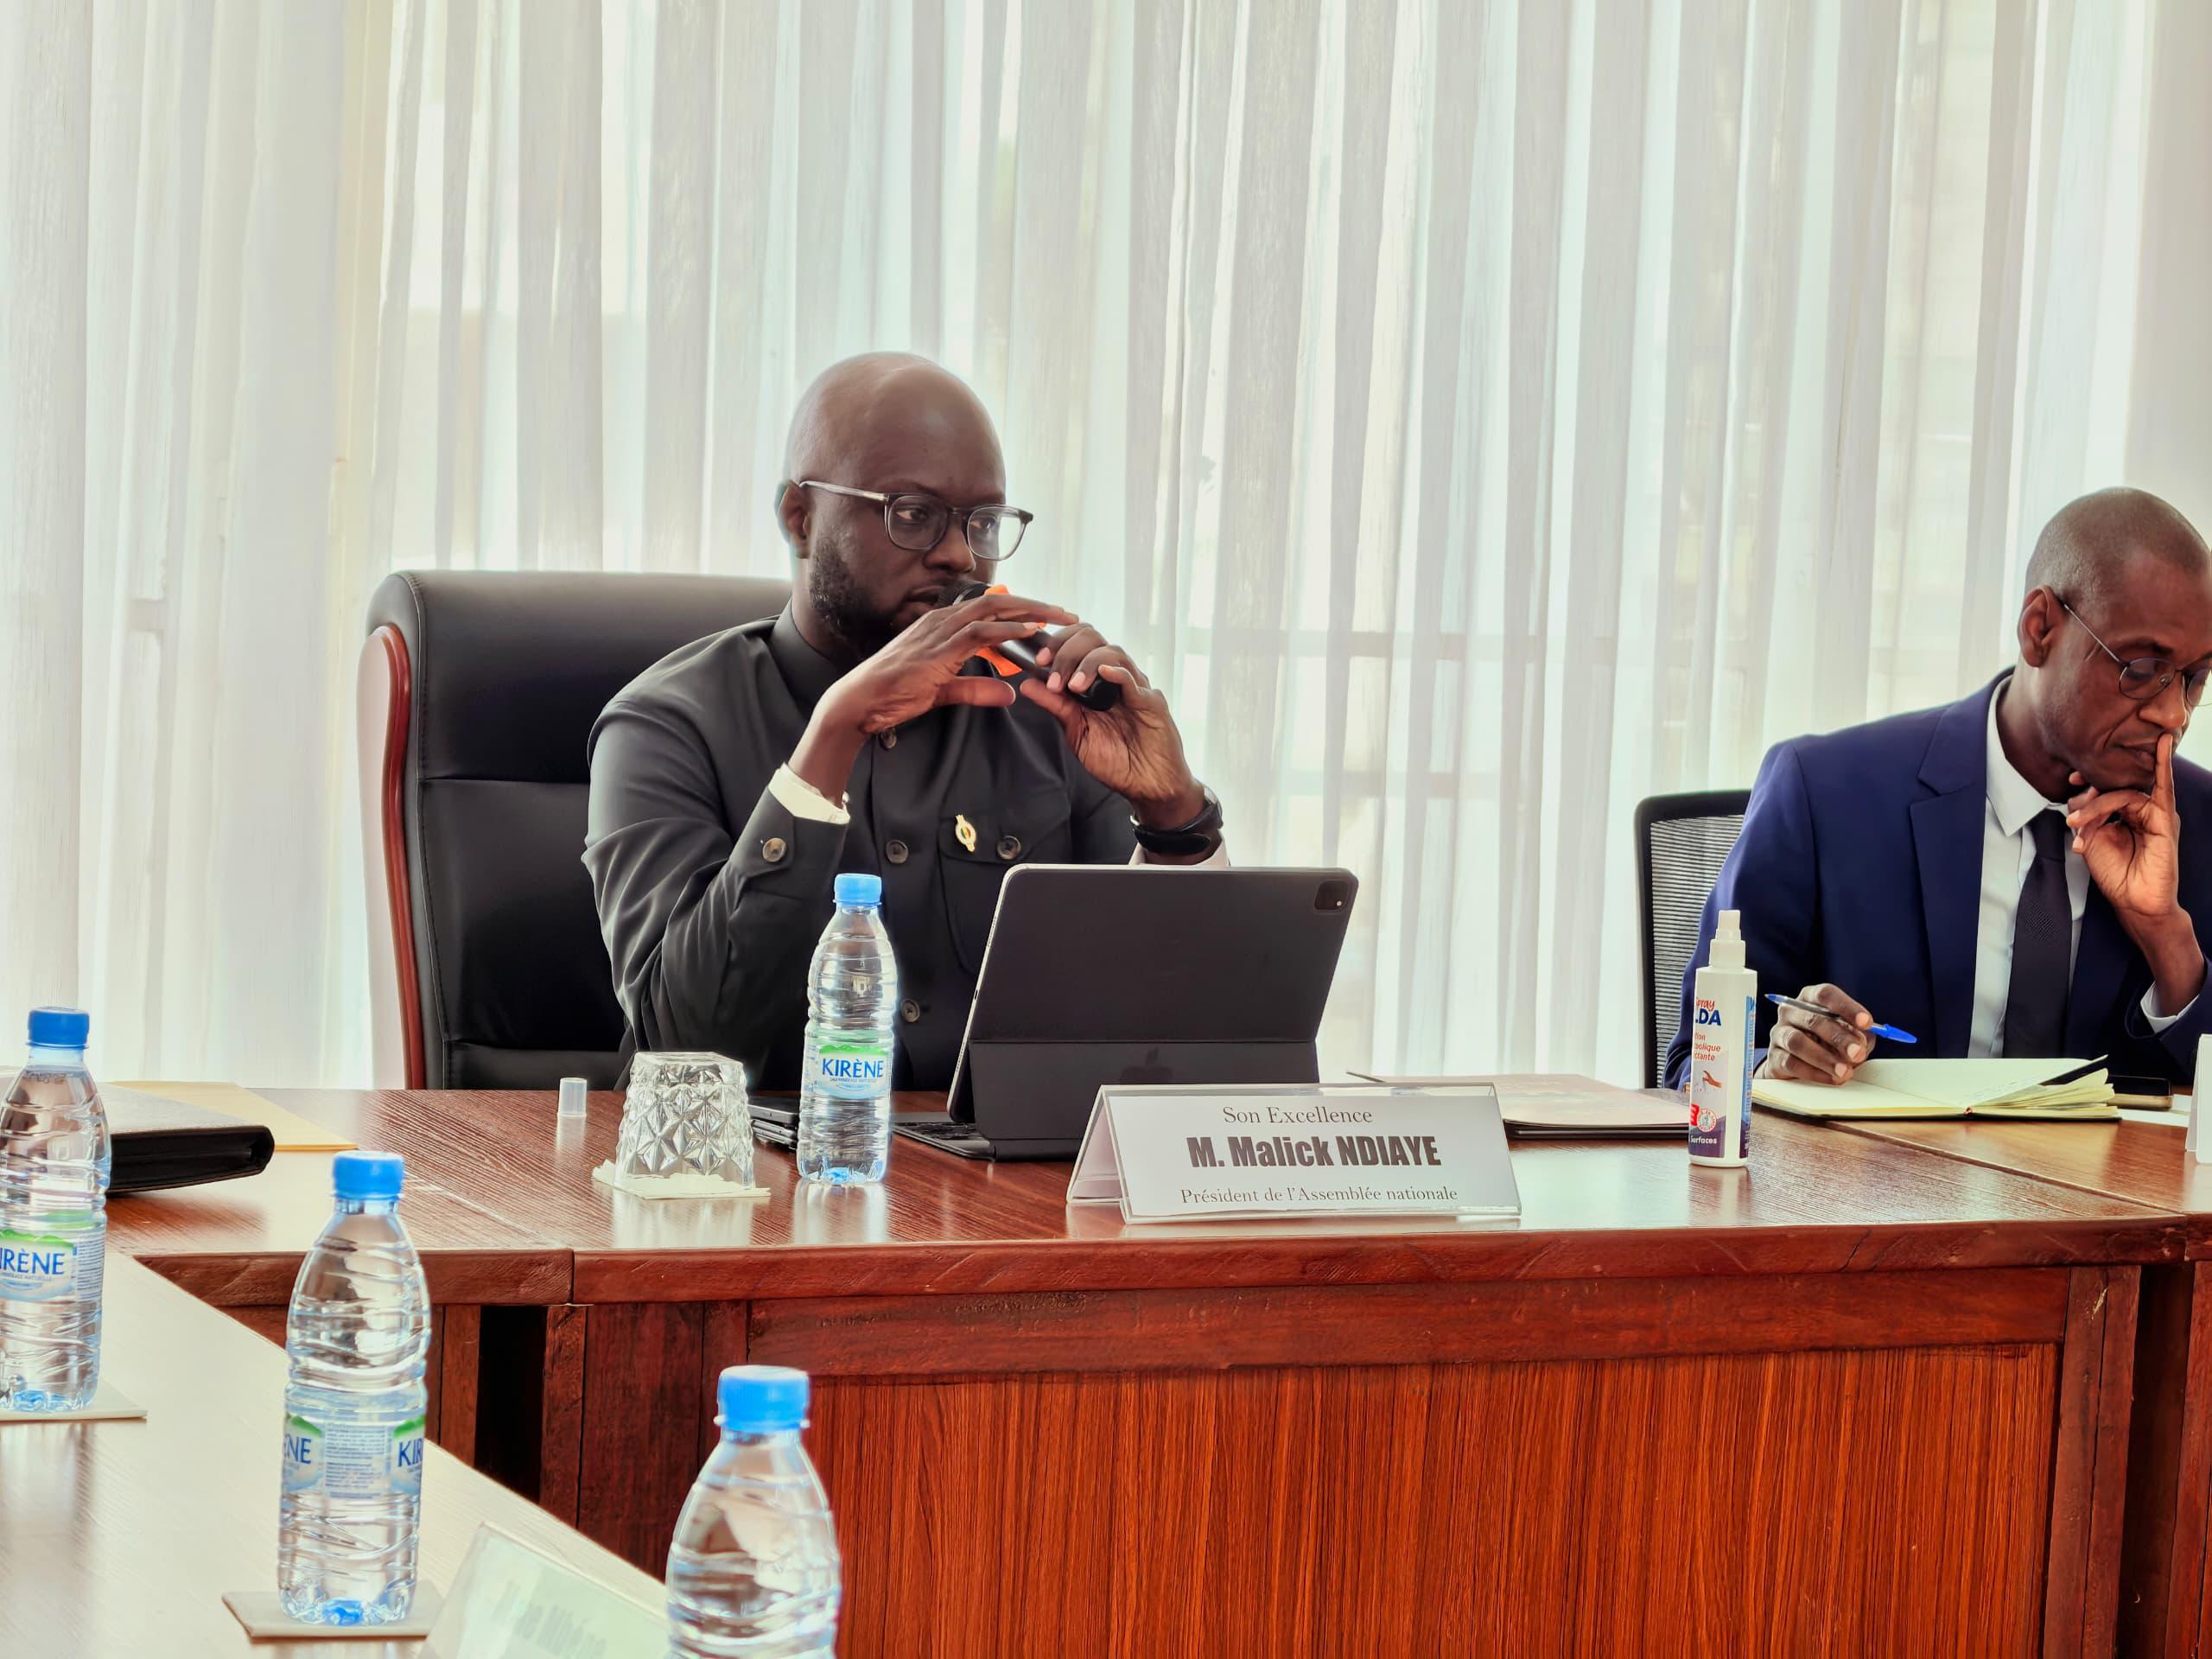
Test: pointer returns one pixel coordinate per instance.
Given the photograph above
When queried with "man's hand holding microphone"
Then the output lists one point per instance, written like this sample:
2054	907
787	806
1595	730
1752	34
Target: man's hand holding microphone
1132	745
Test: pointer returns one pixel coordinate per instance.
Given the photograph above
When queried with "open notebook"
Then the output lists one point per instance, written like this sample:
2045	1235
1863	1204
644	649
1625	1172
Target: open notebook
1946	1089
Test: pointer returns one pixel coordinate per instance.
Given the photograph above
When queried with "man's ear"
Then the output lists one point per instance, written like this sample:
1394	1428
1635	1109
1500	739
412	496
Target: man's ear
791	515
2040	616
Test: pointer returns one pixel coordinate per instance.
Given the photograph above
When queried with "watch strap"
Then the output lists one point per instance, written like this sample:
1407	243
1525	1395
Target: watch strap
1195	839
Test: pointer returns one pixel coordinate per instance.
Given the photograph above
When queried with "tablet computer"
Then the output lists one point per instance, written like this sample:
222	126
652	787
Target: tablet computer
1133	974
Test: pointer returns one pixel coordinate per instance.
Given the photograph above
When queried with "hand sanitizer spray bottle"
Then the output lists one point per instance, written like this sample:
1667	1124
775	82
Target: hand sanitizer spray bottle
1726	992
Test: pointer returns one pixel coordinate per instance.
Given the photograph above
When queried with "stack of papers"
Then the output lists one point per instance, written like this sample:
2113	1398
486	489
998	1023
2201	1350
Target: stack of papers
1570	1108
1948	1089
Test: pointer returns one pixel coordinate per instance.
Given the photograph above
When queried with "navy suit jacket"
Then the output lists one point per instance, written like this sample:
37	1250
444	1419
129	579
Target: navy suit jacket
1859	864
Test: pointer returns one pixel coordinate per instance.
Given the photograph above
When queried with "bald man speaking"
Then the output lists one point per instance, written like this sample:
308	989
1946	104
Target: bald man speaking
734	780
2022	873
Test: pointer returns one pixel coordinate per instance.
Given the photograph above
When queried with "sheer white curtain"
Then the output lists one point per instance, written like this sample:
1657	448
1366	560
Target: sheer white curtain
1478	415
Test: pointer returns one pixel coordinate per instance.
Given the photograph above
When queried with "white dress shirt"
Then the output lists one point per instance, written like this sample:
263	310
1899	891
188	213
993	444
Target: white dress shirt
2007	851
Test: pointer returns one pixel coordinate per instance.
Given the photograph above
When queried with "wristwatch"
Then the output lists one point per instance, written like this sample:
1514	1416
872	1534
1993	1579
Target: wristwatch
1195	839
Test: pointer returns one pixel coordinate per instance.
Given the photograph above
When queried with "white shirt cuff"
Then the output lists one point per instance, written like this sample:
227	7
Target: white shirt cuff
2157	1021
803	800
1215	860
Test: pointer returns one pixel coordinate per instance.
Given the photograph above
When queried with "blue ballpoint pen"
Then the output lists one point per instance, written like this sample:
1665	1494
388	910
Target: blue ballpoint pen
1891	1032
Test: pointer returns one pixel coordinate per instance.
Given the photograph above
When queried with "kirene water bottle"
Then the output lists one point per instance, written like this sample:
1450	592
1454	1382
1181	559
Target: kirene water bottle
851	998
358	1337
753	1571
54	1171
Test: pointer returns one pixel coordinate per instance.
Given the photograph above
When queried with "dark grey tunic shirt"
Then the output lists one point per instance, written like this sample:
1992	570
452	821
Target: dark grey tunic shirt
712	894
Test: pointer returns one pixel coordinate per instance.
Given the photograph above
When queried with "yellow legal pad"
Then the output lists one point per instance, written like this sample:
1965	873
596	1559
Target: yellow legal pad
2002	1089
291	1133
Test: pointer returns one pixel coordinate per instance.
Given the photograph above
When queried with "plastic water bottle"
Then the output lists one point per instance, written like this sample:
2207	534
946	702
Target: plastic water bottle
54	1171
852	997
358	1337
752	1572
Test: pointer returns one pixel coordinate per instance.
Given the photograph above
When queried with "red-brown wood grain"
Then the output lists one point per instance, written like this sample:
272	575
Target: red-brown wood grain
449	1377
385	706
2090	1477
933	1419
239	1243
454	1369
1816	1201
2189	1621
2142	1163
2169	1459
561	1408
1052	1432
2166	1560
1882	1502
645	1400
1404	1324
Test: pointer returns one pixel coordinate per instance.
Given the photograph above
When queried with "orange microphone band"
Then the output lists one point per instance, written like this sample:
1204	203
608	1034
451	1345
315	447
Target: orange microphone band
1004	668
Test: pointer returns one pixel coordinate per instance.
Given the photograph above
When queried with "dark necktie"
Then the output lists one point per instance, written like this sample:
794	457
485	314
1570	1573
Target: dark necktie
2043	949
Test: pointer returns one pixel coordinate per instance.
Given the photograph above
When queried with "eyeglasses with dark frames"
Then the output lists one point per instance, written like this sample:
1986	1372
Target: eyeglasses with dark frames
2144	677
917	522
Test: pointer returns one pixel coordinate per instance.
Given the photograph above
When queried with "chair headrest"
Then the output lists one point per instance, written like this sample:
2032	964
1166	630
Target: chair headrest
511	667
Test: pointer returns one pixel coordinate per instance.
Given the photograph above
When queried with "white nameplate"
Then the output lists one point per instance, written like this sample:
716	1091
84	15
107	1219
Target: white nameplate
1187	1154
511	1602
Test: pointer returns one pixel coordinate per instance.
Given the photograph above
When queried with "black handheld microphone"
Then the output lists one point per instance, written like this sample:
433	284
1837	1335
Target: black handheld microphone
1099	695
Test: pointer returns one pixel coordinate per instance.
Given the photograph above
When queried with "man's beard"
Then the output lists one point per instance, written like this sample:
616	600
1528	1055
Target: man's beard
843	608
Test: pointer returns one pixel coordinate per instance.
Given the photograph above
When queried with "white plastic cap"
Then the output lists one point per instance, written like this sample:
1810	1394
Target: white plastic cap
1728	940
572	1097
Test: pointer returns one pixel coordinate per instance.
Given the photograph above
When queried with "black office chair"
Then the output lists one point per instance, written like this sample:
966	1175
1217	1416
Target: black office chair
478	691
1682	840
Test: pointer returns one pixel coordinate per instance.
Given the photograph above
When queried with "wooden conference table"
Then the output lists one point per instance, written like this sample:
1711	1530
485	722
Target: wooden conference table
2166	1572
121	1538
1860	1397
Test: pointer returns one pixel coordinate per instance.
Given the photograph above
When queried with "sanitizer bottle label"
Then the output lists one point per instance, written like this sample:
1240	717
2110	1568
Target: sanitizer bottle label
1712	1083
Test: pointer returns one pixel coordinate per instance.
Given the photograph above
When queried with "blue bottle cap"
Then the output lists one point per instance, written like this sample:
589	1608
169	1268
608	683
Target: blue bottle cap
762	1399
859	889
60	1027
367	1174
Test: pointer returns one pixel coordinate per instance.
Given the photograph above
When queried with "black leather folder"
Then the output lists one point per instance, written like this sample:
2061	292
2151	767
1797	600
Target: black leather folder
163	1142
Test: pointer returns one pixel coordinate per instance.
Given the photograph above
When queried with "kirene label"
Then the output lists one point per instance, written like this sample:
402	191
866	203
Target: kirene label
407	1458
50	1266
352	1460
302	1455
859	1069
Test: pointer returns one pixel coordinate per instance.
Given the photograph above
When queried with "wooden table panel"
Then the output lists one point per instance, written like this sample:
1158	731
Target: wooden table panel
1816	1201
1881	1502
1924	1362
2162	1603
646	1422
1403	1325
968	1456
239	1243
120	1538
2089	1478
451	1372
2144	1163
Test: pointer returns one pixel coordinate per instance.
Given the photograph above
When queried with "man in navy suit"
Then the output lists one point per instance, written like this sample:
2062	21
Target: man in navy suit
2018	874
